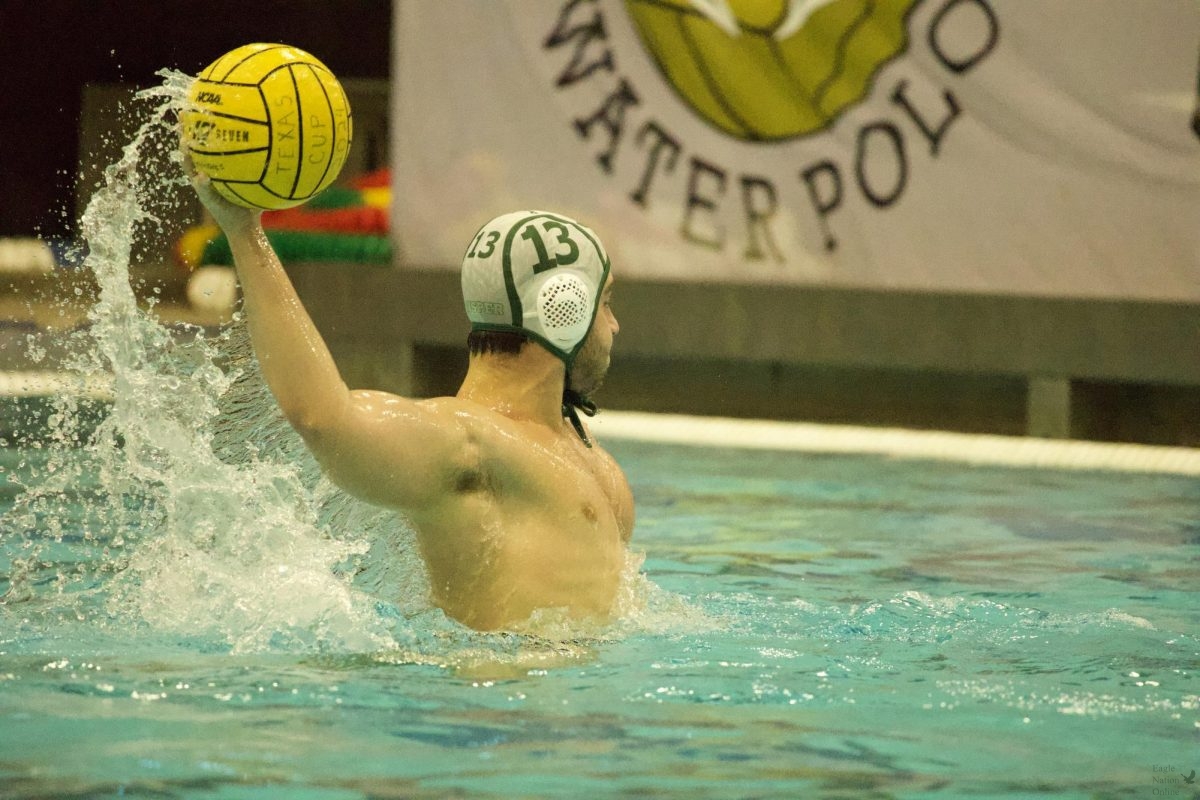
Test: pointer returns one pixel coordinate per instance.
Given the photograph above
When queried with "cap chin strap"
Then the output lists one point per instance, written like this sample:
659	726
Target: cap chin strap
572	403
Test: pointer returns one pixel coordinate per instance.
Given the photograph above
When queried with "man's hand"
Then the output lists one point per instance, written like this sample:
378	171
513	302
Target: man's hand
232	218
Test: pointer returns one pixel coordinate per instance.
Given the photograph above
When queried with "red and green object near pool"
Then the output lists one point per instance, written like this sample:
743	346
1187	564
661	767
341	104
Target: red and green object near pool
344	223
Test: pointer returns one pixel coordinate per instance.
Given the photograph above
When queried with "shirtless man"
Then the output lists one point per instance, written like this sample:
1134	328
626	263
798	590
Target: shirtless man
516	508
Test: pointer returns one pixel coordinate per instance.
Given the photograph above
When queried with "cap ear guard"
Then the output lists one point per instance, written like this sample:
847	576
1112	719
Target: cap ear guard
564	309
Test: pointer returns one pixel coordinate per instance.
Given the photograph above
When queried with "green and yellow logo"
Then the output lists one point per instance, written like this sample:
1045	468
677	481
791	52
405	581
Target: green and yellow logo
770	70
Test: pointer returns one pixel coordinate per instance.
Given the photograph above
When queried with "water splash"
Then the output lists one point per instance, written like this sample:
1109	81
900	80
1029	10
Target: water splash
211	537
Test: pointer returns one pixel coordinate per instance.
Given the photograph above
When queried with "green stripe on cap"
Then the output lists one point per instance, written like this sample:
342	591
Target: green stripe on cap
510	283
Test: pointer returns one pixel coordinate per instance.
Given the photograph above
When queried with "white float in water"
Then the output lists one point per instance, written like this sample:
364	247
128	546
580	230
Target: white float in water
213	289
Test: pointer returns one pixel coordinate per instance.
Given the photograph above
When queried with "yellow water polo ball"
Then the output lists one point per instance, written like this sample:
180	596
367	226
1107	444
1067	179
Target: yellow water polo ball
269	124
769	70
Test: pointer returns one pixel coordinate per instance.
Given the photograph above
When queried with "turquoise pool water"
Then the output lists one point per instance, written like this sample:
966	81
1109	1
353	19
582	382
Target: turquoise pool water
822	626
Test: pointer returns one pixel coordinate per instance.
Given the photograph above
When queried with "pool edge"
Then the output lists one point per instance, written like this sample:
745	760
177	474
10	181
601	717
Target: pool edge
970	448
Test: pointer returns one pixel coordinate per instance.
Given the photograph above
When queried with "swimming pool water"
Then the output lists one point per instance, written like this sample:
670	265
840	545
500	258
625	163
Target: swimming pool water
823	626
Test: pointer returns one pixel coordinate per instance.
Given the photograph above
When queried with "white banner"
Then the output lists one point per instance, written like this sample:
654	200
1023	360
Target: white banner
1038	147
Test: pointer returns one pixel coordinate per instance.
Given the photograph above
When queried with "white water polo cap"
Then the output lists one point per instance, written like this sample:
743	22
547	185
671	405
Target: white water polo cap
536	273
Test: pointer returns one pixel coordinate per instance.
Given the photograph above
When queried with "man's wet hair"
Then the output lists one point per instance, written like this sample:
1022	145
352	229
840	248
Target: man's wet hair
498	342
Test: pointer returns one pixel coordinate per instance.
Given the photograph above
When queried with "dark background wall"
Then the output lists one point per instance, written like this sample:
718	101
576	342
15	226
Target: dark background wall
52	48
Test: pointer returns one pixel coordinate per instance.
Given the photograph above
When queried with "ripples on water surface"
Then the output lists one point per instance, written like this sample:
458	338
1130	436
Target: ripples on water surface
190	611
823	626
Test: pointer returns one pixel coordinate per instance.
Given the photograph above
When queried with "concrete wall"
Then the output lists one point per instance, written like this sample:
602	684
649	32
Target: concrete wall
1119	371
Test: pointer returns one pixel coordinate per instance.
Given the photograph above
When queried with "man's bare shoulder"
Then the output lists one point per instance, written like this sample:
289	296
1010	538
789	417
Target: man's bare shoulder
496	436
475	431
450	417
495	439
405	453
467	417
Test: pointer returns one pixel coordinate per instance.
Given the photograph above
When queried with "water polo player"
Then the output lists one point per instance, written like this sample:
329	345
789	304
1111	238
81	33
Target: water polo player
516	508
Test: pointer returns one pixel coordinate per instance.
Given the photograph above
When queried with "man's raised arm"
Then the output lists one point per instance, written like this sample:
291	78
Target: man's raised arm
295	361
381	447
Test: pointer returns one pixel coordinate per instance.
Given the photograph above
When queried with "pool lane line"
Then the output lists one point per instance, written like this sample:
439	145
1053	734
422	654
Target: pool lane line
33	383
969	448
